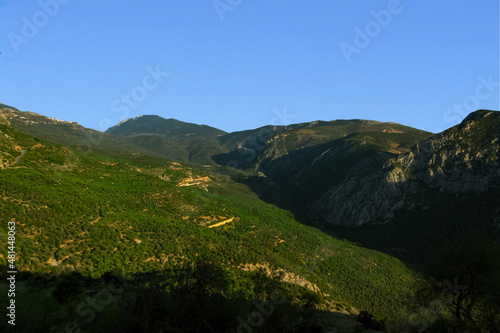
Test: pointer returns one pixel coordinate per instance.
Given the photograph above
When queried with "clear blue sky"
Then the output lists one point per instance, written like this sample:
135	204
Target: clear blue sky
235	66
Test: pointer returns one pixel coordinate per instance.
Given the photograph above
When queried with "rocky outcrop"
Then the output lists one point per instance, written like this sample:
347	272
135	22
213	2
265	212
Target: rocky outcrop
462	160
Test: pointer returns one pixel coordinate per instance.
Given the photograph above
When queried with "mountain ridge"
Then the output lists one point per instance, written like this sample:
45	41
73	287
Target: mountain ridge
88	214
407	192
175	139
424	162
289	156
154	124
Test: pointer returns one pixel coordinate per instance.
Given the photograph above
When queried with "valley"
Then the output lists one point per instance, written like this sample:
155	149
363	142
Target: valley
342	218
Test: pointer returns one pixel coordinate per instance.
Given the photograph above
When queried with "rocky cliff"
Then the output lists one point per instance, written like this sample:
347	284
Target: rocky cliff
461	161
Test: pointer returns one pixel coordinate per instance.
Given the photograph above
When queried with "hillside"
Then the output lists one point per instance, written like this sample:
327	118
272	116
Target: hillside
306	160
171	138
93	214
301	161
461	160
231	226
172	128
442	189
70	134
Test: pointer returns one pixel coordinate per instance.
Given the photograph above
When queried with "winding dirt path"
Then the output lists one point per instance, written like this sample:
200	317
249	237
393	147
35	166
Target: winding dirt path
18	159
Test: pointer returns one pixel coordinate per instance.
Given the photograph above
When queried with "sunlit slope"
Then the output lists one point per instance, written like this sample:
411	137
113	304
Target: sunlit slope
95	214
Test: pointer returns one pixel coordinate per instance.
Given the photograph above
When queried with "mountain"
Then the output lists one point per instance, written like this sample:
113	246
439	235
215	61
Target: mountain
300	160
11	144
81	215
293	166
172	128
262	150
460	161
219	242
252	149
441	190
342	172
70	134
171	138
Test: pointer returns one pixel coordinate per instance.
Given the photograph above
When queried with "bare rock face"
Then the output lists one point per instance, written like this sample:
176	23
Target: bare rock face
463	160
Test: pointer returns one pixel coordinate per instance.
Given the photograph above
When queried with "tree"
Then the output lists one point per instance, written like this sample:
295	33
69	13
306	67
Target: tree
189	298
467	282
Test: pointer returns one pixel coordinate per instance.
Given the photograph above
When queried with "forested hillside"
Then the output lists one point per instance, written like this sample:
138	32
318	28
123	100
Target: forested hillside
93	214
209	243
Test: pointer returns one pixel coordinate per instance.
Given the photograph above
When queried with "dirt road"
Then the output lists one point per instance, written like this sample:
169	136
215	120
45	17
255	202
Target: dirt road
221	223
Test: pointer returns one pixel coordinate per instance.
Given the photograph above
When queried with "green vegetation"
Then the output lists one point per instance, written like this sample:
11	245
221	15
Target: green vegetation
101	204
196	297
92	214
462	293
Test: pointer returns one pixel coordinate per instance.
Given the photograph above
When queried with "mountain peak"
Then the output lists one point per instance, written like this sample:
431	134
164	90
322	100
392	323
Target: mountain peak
479	117
137	118
479	114
152	124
